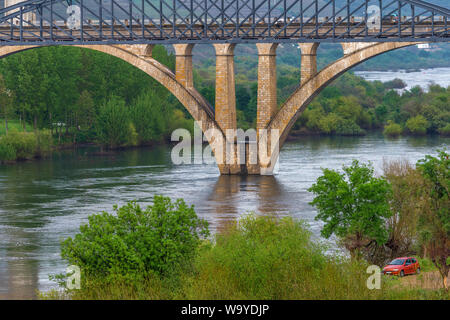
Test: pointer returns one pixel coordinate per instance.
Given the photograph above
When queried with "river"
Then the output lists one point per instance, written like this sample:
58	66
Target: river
422	78
42	202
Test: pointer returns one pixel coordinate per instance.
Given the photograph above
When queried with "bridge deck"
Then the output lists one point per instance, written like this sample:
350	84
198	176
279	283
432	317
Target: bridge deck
150	33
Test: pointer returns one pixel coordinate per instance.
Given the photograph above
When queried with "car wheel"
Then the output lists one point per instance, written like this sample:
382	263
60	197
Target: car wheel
402	273
418	271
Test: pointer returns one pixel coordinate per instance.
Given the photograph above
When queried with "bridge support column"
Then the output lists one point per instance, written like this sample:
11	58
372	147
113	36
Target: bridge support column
309	61
183	64
267	98
267	84
225	107
225	104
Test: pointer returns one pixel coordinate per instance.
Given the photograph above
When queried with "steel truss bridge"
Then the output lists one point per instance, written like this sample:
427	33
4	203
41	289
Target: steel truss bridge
50	22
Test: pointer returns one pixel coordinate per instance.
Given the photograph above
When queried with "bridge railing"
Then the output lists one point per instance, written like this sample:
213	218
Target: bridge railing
165	21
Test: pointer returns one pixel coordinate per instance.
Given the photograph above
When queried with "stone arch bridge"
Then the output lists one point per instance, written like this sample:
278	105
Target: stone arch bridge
128	29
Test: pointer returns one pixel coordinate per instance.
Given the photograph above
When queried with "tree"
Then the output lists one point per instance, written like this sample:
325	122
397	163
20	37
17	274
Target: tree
434	223
113	123
407	202
417	125
392	129
6	99
150	116
85	113
354	206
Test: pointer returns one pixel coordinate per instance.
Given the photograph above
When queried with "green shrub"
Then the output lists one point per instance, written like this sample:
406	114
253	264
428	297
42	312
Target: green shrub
329	123
132	136
392	129
255	258
150	116
347	127
271	258
445	131
134	242
7	151
426	265
24	143
417	125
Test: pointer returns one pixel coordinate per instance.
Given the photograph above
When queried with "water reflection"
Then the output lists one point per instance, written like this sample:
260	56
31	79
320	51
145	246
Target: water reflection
227	194
19	274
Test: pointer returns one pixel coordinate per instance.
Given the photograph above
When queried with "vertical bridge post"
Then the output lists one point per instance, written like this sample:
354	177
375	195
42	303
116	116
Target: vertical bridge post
225	104
183	64
267	101
225	107
267	84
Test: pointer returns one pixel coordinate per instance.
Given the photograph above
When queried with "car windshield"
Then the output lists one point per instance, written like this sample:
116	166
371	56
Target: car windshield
397	262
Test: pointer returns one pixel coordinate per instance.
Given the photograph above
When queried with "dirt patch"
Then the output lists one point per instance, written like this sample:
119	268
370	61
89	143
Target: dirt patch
425	280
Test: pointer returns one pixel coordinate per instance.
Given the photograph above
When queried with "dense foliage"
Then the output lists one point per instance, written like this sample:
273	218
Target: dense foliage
405	212
136	242
354	206
73	91
434	221
86	96
257	257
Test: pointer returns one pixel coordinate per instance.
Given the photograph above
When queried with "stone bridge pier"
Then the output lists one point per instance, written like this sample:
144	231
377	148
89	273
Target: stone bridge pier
256	151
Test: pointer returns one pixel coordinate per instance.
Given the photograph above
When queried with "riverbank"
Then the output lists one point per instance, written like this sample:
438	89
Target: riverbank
41	152
44	201
256	257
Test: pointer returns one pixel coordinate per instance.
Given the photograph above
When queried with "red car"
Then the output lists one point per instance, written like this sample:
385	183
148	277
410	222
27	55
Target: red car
402	266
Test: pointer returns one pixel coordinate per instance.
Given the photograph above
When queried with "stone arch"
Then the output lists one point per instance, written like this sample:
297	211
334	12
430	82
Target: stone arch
354	54
140	57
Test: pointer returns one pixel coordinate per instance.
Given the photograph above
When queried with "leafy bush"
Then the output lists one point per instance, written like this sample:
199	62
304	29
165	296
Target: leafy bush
329	123
271	258
445	131
24	144
263	257
417	125
434	221
395	84
392	129
7	151
135	243
347	127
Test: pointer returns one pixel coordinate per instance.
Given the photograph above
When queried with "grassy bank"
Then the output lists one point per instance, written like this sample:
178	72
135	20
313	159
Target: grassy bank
24	145
264	257
13	125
